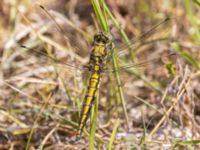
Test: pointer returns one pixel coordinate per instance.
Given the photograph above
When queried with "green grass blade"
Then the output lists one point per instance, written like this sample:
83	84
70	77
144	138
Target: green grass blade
197	2
186	143
143	138
93	125
36	121
101	16
110	145
103	23
192	18
186	56
121	31
119	87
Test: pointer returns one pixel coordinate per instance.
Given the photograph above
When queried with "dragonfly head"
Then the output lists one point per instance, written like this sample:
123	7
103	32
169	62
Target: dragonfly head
102	38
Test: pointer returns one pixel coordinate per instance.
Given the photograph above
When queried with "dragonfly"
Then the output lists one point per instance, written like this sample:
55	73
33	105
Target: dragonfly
102	50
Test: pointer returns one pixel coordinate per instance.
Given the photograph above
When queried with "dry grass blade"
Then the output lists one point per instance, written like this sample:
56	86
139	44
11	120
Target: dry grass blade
45	46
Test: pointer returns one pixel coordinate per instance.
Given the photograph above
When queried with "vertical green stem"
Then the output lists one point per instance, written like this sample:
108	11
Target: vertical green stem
93	125
101	17
192	18
119	87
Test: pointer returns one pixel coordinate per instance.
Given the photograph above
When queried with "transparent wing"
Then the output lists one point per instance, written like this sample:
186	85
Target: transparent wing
53	59
144	37
123	48
82	68
142	64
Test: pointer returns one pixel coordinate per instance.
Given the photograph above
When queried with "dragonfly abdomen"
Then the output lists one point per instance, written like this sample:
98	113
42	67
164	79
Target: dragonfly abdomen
89	98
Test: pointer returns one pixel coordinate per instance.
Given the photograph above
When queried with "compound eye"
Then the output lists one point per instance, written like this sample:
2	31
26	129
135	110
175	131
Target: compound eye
105	40
98	39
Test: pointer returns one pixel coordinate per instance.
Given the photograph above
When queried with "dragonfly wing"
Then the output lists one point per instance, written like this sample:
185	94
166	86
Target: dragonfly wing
140	65
147	37
47	58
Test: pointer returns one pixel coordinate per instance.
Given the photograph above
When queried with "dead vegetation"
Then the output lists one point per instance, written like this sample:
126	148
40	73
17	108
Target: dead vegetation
42	85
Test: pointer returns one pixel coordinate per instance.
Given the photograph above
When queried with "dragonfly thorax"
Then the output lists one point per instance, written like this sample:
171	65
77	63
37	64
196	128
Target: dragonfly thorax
102	44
